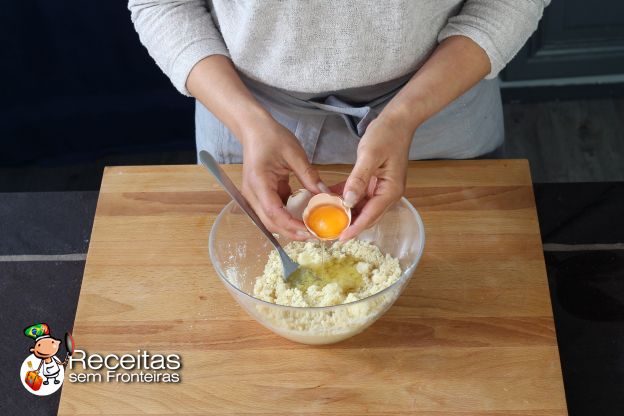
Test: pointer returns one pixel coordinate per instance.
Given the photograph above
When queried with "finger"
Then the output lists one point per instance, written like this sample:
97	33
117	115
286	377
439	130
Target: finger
251	198
274	210
273	227
368	216
306	173
359	180
355	210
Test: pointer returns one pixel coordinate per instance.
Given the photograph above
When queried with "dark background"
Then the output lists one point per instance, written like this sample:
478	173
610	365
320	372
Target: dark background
77	86
80	92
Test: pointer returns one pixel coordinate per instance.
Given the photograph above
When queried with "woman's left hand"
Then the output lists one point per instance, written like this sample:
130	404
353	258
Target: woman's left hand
378	177
456	65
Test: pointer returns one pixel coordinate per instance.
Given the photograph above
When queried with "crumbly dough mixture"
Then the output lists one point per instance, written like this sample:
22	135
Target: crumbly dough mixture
378	271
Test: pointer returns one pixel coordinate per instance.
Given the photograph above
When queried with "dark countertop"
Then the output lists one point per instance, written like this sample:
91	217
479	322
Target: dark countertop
582	228
40	231
45	238
587	291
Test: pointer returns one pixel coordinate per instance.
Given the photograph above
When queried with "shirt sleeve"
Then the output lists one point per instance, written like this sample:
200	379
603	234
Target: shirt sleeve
500	27
177	35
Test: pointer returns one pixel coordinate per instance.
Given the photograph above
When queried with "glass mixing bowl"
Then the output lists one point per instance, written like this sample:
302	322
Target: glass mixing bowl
239	252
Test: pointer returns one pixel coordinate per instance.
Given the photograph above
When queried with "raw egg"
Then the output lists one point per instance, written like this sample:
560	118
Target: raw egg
327	221
326	217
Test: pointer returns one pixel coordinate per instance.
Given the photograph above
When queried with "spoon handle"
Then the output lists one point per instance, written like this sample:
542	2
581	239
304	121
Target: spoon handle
209	162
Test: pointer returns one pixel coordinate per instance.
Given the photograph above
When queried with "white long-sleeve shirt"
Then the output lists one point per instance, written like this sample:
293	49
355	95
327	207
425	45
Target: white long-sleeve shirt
326	45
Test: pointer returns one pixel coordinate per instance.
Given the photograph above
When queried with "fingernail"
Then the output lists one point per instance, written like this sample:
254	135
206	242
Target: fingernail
324	188
350	199
304	234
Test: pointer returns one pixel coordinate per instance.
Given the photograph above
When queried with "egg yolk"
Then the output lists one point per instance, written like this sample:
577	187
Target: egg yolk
328	221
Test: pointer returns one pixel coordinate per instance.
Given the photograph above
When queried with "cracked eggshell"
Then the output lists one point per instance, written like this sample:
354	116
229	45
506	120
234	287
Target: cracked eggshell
297	202
325	199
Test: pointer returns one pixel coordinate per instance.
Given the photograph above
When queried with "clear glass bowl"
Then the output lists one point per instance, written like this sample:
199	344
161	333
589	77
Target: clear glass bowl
239	252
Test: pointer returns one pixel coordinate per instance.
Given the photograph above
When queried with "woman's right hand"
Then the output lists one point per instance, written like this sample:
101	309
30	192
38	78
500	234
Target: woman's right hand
270	153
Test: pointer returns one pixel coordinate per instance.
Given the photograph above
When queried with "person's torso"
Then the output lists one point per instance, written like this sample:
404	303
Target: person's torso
470	126
51	367
325	45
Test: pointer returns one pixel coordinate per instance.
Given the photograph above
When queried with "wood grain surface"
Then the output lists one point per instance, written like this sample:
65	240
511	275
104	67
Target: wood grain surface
472	334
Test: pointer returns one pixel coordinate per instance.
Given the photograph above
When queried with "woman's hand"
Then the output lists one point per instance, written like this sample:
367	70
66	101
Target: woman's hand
270	153
378	177
456	65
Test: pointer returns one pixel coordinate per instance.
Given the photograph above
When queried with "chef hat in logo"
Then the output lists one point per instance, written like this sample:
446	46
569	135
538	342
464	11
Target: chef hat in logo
37	331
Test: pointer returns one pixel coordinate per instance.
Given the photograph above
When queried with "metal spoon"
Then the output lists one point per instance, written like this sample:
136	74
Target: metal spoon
211	164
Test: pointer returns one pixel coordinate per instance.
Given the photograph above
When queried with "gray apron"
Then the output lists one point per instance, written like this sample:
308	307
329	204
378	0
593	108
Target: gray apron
330	125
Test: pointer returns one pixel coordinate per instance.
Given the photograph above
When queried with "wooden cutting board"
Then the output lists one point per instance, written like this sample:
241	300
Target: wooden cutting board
473	333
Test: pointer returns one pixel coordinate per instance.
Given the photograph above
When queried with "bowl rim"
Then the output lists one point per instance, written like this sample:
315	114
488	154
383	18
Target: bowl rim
406	275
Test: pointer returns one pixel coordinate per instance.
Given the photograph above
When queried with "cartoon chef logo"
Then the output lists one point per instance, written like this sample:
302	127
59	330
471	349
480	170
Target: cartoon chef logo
42	373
